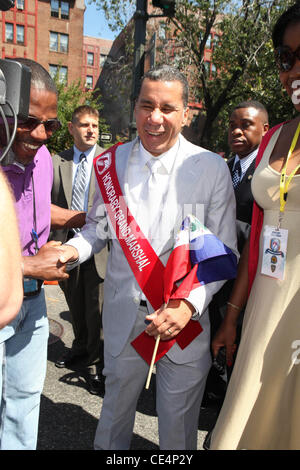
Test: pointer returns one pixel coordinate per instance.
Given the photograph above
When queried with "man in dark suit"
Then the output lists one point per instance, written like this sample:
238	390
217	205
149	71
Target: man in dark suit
248	123
73	188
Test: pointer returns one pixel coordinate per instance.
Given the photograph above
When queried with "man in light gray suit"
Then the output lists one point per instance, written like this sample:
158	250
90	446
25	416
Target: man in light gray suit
187	179
84	288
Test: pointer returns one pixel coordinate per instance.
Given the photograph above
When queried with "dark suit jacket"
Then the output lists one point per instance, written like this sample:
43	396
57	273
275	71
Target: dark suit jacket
244	204
62	195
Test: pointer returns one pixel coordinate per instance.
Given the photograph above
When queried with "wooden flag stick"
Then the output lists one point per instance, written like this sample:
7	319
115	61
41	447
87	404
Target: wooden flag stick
155	351
152	362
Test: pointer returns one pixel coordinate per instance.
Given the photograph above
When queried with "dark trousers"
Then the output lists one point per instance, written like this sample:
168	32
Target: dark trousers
84	295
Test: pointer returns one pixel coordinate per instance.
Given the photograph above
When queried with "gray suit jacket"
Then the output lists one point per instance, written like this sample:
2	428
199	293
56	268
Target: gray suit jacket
200	184
61	195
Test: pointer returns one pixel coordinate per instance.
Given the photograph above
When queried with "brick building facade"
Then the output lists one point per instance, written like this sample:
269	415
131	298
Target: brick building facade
95	53
51	32
48	31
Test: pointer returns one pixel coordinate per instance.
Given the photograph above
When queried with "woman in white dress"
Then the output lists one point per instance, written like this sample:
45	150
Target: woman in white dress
262	405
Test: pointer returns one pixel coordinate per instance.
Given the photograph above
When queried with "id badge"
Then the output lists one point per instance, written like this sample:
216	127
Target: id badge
274	252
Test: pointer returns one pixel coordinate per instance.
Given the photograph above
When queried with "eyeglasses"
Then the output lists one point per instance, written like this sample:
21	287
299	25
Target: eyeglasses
286	58
51	125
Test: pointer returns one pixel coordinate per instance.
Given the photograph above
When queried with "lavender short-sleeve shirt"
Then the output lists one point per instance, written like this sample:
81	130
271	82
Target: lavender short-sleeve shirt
41	170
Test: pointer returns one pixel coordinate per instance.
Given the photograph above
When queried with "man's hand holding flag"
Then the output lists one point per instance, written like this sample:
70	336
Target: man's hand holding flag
197	259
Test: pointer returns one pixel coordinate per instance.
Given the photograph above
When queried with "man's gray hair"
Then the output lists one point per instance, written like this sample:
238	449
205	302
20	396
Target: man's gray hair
40	78
167	73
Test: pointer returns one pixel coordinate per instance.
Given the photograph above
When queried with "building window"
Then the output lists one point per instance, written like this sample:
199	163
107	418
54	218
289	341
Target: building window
162	31
53	41
59	42
209	42
207	67
20	4
103	58
20	34
89	81
216	39
64	10
16	36
55	8
59	71
53	70
64	42
60	9
90	58
9	32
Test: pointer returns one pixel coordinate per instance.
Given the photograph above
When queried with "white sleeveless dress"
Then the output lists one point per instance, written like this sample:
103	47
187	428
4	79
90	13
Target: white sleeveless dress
262	405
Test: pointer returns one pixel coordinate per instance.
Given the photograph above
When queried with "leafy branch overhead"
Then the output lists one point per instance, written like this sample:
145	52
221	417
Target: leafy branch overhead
225	48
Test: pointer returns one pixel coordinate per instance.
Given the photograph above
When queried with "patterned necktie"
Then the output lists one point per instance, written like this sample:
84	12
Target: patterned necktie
79	185
236	175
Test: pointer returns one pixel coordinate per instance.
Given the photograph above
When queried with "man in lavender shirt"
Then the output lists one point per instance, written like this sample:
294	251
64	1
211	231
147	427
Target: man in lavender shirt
23	342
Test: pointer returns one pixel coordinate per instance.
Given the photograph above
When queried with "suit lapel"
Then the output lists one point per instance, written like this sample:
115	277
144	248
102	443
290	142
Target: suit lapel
91	189
250	171
246	180
122	164
98	151
66	170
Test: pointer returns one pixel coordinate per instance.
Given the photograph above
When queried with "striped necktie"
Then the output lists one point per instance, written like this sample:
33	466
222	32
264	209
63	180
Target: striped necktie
79	185
236	175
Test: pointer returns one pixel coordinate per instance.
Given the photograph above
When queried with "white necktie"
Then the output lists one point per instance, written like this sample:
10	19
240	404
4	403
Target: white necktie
79	185
149	206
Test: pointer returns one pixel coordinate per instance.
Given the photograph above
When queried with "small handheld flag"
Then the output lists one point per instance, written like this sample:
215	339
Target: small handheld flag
198	258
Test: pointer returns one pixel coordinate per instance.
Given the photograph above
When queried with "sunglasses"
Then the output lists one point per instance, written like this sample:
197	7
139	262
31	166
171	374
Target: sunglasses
286	58
51	125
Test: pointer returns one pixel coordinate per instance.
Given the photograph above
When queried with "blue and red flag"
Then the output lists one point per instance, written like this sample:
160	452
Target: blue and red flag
197	259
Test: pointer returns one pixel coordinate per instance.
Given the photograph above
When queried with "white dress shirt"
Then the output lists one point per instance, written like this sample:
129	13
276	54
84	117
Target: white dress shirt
245	162
138	173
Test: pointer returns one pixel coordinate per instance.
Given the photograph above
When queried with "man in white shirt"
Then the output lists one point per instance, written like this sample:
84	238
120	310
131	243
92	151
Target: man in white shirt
162	177
73	188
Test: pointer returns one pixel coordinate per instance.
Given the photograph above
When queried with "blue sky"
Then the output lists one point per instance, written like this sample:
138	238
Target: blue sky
95	23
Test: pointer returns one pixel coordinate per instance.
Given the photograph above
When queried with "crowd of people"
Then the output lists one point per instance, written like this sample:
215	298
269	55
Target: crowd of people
106	234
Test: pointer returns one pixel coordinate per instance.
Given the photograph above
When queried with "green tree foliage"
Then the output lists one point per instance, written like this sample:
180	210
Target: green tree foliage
243	61
117	12
70	97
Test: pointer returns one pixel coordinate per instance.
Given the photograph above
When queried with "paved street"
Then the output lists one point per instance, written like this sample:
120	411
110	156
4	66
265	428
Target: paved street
69	413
